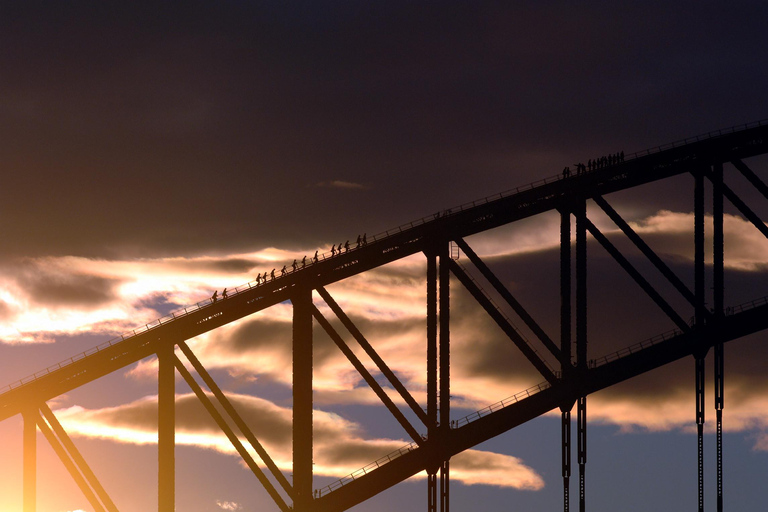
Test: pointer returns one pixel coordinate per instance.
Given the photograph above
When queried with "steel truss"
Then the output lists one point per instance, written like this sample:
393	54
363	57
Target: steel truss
438	240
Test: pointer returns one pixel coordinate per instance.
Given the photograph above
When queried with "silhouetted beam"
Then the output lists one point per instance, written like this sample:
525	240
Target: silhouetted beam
303	407
221	422
502	322
383	367
718	283
639	279
69	464
751	176
29	471
367	376
77	458
502	420
166	429
645	249
742	207
505	293
227	405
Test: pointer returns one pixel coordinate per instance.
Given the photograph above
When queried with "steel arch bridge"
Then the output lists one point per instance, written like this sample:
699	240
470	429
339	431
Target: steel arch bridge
439	238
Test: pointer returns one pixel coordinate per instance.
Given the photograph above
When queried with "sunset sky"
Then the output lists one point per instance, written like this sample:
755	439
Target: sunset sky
157	151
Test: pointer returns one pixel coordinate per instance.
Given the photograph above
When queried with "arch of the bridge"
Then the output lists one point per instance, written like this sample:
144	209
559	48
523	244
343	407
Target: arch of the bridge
574	378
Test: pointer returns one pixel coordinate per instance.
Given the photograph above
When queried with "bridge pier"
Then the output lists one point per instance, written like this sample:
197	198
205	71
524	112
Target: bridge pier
565	348
166	430
302	399
30	460
718	280
438	371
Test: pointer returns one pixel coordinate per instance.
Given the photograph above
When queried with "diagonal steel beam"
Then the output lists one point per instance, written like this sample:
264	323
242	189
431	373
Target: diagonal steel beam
385	370
645	249
69	464
77	458
639	279
227	405
217	417
741	206
361	369
751	176
505	293
502	322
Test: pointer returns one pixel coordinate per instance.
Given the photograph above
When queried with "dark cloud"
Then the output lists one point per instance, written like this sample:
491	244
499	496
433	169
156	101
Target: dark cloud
151	129
64	289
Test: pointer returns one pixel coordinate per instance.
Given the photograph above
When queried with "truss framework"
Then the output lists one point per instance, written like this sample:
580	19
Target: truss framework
436	438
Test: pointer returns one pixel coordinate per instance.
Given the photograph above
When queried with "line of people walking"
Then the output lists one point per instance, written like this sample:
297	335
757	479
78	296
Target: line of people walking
597	163
296	265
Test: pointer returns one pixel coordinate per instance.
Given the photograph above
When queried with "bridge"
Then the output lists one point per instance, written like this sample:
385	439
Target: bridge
568	373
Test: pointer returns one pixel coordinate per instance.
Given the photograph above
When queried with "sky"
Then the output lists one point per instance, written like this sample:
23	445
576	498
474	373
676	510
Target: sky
157	151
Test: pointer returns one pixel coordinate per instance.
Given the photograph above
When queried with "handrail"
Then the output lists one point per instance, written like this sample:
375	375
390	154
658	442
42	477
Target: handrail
745	306
184	311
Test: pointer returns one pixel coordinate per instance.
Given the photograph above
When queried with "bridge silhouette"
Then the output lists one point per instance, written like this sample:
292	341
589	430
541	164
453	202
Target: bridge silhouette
441	238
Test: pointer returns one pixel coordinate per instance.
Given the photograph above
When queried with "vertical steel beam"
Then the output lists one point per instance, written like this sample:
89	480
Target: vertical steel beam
432	492
699	292
302	399
718	282
432	362
565	292
444	486
566	456
565	347
166	428
445	367
445	345
581	443
30	460
581	340
581	285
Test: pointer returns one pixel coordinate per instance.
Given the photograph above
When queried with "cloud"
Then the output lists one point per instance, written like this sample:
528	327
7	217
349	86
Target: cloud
339	444
228	505
341	184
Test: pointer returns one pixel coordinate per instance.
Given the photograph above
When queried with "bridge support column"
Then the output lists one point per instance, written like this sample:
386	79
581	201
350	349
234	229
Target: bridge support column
581	342
700	294
438	372
302	399
30	460
166	428
582	449
445	370
566	457
718	282
432	428
565	347
444	487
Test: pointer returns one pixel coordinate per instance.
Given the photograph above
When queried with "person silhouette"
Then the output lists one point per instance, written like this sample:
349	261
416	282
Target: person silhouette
282	271
294	265
346	246
315	257
215	296
333	250
359	240
303	262
272	274
365	240
224	294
